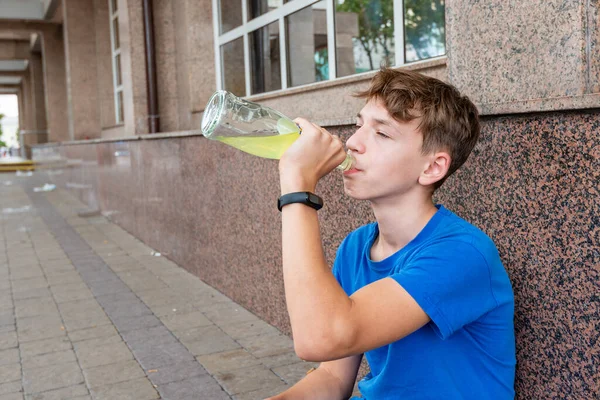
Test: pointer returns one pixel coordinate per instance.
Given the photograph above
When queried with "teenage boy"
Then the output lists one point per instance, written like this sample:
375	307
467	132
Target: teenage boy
421	292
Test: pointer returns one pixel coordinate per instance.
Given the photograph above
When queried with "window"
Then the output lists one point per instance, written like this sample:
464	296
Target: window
266	45
116	59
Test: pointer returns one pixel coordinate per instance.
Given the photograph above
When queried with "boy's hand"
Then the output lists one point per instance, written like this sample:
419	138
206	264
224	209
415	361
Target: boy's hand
312	156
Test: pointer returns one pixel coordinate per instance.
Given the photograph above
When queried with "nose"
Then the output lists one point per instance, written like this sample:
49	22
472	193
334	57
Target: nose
355	143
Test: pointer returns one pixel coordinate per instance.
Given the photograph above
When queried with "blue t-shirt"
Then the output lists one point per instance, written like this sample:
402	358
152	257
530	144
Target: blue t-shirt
454	272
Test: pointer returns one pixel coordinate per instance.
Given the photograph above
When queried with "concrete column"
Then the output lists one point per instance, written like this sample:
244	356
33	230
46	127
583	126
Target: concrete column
200	56
106	90
53	58
36	74
27	102
81	68
133	67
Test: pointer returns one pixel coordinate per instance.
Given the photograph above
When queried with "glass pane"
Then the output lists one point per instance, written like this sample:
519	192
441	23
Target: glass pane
234	79
424	28
118	68
114	5
265	67
364	34
116	33
306	37
256	8
120	116
231	14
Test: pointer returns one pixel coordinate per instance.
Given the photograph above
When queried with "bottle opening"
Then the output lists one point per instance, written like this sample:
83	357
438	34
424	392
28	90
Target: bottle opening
212	113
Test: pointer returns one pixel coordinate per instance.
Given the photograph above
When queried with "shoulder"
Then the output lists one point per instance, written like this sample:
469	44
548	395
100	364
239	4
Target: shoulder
458	235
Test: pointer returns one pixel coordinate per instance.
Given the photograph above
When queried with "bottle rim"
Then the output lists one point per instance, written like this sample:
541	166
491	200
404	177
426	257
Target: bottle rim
212	112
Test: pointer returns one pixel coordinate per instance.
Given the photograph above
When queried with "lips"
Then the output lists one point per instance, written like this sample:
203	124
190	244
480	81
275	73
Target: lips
351	171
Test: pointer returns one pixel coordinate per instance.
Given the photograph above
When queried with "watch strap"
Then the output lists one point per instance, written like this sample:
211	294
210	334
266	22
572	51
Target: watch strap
307	198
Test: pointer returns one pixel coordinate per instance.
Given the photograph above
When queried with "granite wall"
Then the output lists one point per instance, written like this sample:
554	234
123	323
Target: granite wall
533	184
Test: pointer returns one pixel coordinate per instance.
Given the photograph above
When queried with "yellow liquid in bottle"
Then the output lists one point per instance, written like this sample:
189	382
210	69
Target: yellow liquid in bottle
266	146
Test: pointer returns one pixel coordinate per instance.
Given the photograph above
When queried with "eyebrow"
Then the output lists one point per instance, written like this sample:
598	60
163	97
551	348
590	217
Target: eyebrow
379	121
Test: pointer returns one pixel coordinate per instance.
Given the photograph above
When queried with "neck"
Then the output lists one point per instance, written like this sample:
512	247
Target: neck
400	221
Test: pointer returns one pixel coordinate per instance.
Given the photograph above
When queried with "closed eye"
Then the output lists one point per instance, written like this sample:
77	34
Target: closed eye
383	135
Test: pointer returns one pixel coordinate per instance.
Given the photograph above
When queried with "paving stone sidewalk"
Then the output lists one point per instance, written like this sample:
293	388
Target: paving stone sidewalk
87	312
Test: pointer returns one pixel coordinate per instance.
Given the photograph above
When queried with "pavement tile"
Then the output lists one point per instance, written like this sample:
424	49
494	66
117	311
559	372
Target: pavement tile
125	308
42	379
65	296
7	318
26	272
60	394
198	387
229	313
35	306
152	356
109	353
44	346
49	359
9	356
137	389
227	360
261	394
31	293
179	322
292	373
92	332
279	360
40	327
86	322
11	387
101	341
249	328
206	340
12	396
145	335
173	309
8	340
113	373
175	372
64	278
81	309
124	324
267	345
19	285
247	379
10	372
115	285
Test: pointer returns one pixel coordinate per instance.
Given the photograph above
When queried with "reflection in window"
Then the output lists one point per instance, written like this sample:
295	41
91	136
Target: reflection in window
231	14
306	34
232	54
364	33
424	27
256	8
265	67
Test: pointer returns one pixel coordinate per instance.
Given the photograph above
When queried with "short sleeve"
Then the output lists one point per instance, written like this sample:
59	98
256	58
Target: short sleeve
451	283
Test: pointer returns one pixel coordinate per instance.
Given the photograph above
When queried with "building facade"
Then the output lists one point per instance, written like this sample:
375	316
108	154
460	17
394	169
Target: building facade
113	91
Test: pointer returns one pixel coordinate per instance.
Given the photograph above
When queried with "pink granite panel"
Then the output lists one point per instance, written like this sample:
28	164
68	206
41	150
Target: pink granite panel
505	51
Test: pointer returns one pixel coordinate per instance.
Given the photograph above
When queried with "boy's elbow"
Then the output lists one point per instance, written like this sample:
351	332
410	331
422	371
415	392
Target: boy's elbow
315	347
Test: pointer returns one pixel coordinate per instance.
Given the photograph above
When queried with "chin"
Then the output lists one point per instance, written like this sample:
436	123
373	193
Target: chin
355	194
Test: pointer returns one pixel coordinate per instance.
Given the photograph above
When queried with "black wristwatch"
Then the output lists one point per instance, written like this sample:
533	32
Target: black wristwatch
307	198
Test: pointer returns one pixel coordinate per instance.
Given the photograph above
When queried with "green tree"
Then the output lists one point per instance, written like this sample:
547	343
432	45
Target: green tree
2	142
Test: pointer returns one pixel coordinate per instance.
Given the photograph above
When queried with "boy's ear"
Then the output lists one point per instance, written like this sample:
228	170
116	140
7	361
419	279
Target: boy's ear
436	169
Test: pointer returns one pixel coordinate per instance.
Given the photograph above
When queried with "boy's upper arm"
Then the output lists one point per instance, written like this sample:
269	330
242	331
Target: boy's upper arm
343	371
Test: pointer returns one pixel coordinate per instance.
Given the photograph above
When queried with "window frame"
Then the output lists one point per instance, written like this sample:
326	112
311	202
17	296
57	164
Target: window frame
278	15
113	18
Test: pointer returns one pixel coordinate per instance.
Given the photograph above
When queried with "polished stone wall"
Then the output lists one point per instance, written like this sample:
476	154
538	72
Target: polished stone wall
532	184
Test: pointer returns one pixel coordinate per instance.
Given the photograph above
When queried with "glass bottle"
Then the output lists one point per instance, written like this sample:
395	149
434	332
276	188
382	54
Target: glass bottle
250	127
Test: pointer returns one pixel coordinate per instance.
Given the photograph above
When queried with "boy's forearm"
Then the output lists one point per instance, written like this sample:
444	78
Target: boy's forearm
316	302
318	385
